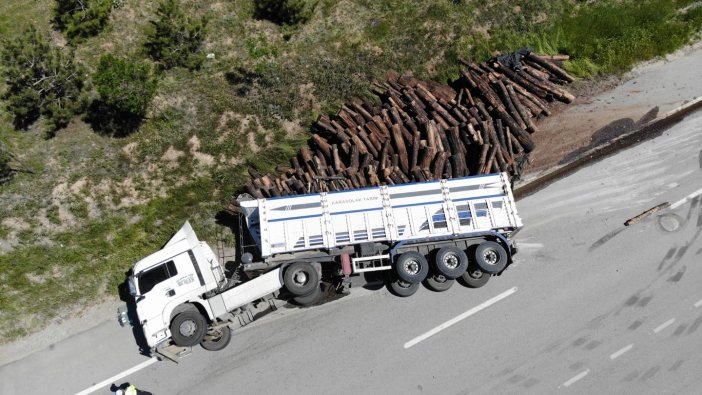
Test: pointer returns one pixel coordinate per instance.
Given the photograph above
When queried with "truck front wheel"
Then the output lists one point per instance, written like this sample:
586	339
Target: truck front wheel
217	339
412	267
188	328
301	278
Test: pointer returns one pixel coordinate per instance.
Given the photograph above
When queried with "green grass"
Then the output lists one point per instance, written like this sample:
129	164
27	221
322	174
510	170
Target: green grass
610	37
125	199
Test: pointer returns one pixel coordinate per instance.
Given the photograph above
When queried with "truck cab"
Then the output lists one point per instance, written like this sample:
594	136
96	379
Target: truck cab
180	273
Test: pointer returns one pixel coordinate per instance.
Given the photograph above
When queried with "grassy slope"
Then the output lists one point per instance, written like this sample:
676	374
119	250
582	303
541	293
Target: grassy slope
99	203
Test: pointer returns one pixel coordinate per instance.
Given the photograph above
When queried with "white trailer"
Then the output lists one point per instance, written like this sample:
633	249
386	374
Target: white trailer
432	232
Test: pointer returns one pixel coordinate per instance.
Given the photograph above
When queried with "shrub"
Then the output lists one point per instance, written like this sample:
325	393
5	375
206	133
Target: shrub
41	80
79	19
126	88
175	40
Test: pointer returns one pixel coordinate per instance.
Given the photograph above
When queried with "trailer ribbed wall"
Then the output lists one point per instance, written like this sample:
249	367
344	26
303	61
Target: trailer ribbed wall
387	213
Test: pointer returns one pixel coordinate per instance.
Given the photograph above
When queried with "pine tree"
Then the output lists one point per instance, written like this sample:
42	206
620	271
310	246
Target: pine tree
41	80
125	85
79	19
126	88
175	40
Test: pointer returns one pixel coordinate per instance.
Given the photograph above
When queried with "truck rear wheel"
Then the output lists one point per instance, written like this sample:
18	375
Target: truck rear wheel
188	328
412	267
491	257
451	262
311	298
439	282
402	288
217	339
474	278
301	278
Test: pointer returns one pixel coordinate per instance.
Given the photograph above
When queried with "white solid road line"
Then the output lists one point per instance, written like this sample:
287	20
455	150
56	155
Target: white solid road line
461	317
118	376
685	199
621	352
664	325
699	303
576	378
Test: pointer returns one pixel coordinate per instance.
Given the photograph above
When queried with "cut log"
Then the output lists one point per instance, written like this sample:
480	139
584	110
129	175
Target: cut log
550	66
400	148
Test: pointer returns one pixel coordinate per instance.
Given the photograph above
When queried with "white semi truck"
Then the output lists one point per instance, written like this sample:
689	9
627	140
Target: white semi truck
432	232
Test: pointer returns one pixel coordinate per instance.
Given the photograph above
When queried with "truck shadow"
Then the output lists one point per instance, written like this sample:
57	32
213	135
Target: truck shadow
137	330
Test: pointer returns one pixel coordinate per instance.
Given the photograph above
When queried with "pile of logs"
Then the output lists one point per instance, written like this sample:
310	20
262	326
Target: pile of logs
423	130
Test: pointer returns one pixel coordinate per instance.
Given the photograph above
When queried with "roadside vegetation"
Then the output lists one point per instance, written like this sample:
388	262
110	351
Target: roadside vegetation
134	116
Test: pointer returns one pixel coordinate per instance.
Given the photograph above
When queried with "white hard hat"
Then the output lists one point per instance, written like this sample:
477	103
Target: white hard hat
119	392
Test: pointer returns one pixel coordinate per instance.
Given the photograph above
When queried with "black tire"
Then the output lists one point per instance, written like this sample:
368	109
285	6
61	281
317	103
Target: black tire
439	283
218	339
310	299
402	288
491	257
301	278
451	261
188	328
474	278
412	267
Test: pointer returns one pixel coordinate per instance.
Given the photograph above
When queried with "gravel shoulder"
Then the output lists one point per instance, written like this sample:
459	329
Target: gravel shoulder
604	109
613	106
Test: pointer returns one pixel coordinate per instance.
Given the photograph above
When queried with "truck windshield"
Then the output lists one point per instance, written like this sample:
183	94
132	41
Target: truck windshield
150	278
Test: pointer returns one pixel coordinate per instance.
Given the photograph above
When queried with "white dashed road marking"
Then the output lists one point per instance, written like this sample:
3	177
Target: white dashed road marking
576	378
664	325
698	304
685	199
621	352
118	376
460	318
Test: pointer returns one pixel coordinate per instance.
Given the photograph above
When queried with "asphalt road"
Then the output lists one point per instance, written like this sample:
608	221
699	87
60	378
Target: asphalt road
590	306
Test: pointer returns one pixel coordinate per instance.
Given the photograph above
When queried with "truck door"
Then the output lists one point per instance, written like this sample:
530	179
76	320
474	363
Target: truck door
156	288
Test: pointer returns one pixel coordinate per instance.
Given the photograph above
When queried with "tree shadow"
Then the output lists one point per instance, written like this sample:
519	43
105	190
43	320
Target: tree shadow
107	120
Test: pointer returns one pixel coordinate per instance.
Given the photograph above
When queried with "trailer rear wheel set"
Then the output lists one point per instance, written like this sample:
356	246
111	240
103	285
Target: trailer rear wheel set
438	271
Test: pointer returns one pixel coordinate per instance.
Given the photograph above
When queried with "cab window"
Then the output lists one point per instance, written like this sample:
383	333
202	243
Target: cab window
156	275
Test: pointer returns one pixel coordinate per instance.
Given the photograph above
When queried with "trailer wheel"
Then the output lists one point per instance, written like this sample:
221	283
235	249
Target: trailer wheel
188	328
402	288
451	262
217	339
491	257
301	278
439	283
412	267
310	299
474	278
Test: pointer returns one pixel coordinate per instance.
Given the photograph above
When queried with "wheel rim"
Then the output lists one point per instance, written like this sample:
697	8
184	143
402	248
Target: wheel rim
491	257
300	278
404	284
476	274
440	278
451	261
214	336
412	267
187	328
